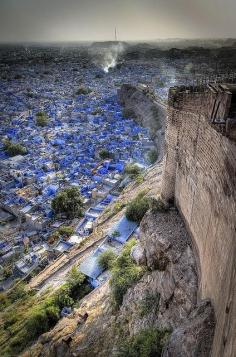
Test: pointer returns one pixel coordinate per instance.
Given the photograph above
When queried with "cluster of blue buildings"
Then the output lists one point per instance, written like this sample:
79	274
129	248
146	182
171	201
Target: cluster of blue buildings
63	153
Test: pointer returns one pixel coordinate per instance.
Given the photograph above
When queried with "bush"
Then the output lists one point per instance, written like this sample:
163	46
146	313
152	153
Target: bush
116	234
132	170
152	156
147	343
105	154
149	303
37	323
77	283
66	231
69	202
18	292
124	274
137	208
118	206
7	272
139	179
62	297
106	259
42	119
14	149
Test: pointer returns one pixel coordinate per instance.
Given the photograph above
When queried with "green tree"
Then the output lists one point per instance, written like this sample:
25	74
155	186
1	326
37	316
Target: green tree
42	119
105	154
69	202
132	170
14	149
106	259
75	277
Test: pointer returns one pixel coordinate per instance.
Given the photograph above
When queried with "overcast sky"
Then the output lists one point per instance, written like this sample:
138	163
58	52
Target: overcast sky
78	20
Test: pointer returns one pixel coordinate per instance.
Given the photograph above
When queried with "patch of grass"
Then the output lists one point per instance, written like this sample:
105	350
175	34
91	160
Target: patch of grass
28	316
147	343
149	303
125	273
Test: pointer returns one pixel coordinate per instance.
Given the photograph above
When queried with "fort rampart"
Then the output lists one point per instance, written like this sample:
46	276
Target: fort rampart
200	177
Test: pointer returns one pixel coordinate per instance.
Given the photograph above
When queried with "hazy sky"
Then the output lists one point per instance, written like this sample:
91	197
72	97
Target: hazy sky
76	20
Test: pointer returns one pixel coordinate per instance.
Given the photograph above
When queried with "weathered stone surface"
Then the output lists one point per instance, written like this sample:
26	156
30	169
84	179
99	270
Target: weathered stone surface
200	175
173	278
194	337
138	254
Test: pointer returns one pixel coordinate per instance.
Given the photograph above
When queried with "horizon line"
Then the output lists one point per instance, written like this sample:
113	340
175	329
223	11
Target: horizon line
110	40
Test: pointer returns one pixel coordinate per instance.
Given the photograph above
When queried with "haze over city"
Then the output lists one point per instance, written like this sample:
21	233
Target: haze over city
94	20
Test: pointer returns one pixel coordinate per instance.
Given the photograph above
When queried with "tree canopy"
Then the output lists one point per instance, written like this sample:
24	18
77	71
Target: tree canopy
105	154
69	201
42	119
14	149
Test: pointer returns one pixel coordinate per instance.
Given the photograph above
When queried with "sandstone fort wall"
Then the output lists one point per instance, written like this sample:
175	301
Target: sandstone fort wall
200	176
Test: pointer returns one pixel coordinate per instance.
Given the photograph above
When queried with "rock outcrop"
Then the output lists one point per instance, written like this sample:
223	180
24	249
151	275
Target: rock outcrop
194	337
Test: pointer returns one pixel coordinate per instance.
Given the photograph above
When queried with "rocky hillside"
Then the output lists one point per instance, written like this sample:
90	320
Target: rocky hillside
163	302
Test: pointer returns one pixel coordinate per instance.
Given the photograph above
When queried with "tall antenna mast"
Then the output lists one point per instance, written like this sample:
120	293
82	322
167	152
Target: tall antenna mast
115	35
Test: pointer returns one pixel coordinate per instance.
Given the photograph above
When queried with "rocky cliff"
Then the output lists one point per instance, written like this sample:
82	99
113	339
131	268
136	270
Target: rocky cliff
146	109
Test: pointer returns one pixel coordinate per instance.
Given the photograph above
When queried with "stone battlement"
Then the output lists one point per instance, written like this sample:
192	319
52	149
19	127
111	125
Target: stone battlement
217	102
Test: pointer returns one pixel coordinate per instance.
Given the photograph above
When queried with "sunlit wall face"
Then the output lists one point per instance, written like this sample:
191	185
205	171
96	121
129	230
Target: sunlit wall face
77	20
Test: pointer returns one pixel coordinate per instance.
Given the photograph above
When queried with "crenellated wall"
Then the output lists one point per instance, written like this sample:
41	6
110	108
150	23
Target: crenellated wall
200	176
